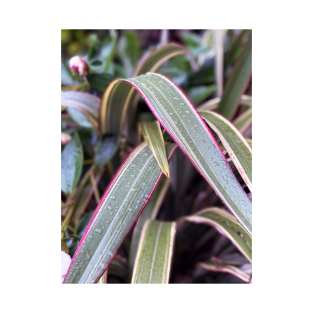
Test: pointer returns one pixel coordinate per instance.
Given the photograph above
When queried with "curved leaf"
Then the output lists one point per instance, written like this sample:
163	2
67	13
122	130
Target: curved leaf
237	82
234	143
153	136
72	164
116	212
82	107
227	225
118	98
154	255
179	118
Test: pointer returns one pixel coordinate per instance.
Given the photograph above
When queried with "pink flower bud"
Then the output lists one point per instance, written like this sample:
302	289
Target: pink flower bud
78	66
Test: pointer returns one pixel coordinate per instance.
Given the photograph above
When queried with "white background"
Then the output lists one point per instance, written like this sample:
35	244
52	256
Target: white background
30	156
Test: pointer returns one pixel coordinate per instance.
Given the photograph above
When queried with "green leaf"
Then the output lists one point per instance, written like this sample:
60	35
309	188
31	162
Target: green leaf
227	225
221	267
234	143
179	118
119	101
243	121
153	136
72	164
115	214
237	82
154	255
150	212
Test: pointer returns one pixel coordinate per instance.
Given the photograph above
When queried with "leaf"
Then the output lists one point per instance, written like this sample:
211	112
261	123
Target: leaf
72	164
227	225
117	211
200	93
105	150
215	266
154	138
82	107
234	143
179	118
237	82
118	99
154	255
150	212
243	121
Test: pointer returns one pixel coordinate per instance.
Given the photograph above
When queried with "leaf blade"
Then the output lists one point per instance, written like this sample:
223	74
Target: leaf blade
154	138
189	131
153	259
72	164
118	98
234	143
116	212
237	82
227	226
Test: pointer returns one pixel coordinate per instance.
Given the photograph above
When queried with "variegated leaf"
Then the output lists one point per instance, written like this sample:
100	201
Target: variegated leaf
117	211
154	255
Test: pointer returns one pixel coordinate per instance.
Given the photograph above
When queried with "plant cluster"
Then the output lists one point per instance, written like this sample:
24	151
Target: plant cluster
156	156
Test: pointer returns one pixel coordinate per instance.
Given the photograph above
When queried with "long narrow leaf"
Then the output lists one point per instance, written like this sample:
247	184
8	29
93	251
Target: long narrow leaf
237	82
153	259
153	136
234	143
117	99
150	212
226	224
189	131
116	212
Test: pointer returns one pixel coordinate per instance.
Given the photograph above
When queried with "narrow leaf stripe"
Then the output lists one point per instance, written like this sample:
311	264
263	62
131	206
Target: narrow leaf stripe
153	136
179	118
227	225
116	212
234	143
154	255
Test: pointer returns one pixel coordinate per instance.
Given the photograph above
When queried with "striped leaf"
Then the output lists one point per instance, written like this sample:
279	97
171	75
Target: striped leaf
116	212
227	225
72	164
153	136
118	98
214	266
154	255
180	119
150	212
243	121
234	143
237	82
